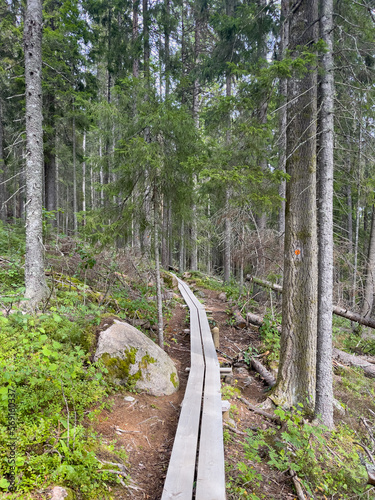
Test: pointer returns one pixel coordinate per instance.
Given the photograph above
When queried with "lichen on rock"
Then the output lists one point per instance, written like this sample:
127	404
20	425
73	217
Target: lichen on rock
135	361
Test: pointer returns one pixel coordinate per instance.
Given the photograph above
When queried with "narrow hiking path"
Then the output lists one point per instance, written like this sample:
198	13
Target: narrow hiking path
146	425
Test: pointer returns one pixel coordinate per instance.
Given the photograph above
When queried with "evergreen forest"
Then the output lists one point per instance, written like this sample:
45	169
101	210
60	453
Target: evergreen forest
230	143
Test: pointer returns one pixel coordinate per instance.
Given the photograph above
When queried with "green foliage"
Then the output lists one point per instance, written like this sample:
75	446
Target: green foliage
326	463
57	388
12	239
270	336
230	391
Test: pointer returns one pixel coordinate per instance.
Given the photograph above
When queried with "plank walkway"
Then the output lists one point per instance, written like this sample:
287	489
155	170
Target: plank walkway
197	457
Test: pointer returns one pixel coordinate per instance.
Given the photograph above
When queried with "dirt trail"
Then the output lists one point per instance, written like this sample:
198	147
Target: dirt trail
146	426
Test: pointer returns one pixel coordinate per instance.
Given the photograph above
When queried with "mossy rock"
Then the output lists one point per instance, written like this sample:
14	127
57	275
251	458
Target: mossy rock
170	280
135	361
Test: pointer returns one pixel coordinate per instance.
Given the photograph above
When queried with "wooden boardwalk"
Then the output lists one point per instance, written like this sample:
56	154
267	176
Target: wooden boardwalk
197	457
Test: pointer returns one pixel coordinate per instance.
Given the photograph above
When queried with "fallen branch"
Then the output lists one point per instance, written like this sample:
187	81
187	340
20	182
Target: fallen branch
339	311
240	433
370	470
297	485
263	372
343	357
258	411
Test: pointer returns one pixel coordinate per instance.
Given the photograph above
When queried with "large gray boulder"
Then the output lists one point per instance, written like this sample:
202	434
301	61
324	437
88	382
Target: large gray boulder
135	361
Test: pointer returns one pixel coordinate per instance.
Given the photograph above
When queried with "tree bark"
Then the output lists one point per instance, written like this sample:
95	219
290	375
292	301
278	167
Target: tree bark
350	215
324	376
84	177
134	39
181	261
368	297
157	270
296	380
284	40
50	156
2	167
35	281
146	40
227	239
75	205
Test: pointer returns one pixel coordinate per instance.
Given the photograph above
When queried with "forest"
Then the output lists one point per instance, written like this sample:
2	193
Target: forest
230	143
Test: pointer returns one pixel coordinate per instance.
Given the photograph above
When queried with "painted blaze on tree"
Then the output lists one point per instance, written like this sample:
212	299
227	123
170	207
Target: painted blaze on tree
297	372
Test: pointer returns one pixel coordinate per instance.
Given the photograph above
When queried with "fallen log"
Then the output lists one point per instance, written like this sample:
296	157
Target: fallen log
356	361
339	311
263	372
267	284
345	313
240	322
341	356
256	320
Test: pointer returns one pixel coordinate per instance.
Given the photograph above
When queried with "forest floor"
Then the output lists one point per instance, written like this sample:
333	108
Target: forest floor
145	426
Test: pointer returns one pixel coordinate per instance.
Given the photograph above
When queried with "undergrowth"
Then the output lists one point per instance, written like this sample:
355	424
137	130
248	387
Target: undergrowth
46	360
327	464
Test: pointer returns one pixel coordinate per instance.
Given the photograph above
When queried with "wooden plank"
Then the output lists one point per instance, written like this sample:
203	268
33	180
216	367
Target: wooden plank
211	465
181	471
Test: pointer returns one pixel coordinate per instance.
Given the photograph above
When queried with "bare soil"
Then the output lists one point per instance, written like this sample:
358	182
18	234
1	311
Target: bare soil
146	426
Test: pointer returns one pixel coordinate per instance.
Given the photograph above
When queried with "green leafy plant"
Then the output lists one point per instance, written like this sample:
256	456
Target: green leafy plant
270	337
326	463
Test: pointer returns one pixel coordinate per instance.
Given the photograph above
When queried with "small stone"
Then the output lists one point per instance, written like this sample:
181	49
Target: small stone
129	398
225	405
59	493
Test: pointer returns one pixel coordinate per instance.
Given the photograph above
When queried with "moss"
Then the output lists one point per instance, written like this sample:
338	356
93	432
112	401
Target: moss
304	236
119	369
146	360
167	278
71	494
174	380
88	340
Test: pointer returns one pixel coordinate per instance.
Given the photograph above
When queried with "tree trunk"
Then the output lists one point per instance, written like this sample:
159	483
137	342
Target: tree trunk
368	297
227	239
84	178
35	281
75	207
50	156
356	241
324	388
297	373
350	215
134	39
2	168
146	40
157	270
164	236
227	220
166	47
284	40
181	264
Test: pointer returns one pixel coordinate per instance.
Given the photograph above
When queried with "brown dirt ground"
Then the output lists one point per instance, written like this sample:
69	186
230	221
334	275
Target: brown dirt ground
146	426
